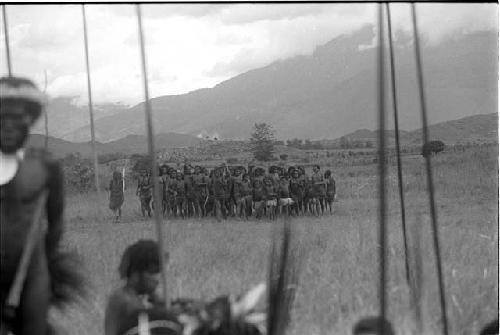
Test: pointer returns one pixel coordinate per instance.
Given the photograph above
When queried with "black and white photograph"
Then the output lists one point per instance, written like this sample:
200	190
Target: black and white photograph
249	168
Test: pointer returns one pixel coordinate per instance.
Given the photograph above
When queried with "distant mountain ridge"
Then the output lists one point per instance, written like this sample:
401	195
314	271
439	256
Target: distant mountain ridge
483	128
477	128
326	94
65	117
131	144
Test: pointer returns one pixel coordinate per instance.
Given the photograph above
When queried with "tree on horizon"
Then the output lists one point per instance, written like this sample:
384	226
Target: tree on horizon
262	140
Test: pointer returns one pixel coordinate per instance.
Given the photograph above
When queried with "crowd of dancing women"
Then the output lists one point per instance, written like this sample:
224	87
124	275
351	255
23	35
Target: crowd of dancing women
231	191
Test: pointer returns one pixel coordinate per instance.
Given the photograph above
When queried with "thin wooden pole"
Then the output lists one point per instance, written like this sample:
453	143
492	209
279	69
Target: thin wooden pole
7	44
46	115
91	109
152	155
123	180
381	169
398	146
430	182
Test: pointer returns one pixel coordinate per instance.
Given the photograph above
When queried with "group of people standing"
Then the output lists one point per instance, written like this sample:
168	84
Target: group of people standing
235	191
39	275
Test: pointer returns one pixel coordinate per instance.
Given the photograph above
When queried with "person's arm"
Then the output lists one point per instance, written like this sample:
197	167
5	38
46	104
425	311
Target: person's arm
210	186
120	308
232	186
54	206
171	188
111	317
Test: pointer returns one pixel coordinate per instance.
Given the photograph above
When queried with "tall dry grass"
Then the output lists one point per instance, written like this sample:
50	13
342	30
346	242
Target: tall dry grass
339	274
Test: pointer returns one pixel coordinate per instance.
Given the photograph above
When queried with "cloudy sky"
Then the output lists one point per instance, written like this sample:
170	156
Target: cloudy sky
193	46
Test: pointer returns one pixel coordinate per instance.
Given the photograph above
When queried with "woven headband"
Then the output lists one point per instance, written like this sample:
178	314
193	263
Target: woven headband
23	92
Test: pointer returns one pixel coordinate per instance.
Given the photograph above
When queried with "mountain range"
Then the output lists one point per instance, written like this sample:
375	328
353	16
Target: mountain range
65	116
323	95
477	128
131	144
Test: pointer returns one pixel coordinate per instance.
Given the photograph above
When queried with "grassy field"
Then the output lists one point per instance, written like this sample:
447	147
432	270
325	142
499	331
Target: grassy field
339	273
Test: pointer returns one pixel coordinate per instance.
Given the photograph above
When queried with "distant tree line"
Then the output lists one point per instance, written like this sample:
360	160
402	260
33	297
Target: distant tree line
77	158
343	143
106	158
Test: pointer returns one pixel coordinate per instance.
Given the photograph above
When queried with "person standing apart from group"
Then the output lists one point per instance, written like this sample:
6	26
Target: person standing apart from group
116	197
331	190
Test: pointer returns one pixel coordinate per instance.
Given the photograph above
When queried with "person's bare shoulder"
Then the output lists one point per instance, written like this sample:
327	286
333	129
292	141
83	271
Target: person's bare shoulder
121	297
121	305
115	300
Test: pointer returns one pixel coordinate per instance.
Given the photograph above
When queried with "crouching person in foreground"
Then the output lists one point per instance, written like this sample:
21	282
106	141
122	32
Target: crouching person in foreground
137	308
140	268
36	273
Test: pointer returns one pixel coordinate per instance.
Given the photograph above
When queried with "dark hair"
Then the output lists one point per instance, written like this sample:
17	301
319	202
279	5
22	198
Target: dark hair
490	329
32	104
328	173
373	324
142	256
17	81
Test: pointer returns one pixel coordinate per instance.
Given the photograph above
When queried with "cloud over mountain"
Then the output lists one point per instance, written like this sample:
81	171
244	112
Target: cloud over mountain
328	93
193	46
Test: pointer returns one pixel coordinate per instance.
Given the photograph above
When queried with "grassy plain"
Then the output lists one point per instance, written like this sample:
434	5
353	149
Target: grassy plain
339	273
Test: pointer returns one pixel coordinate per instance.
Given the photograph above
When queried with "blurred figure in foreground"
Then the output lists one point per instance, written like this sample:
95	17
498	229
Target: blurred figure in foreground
140	268
31	188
